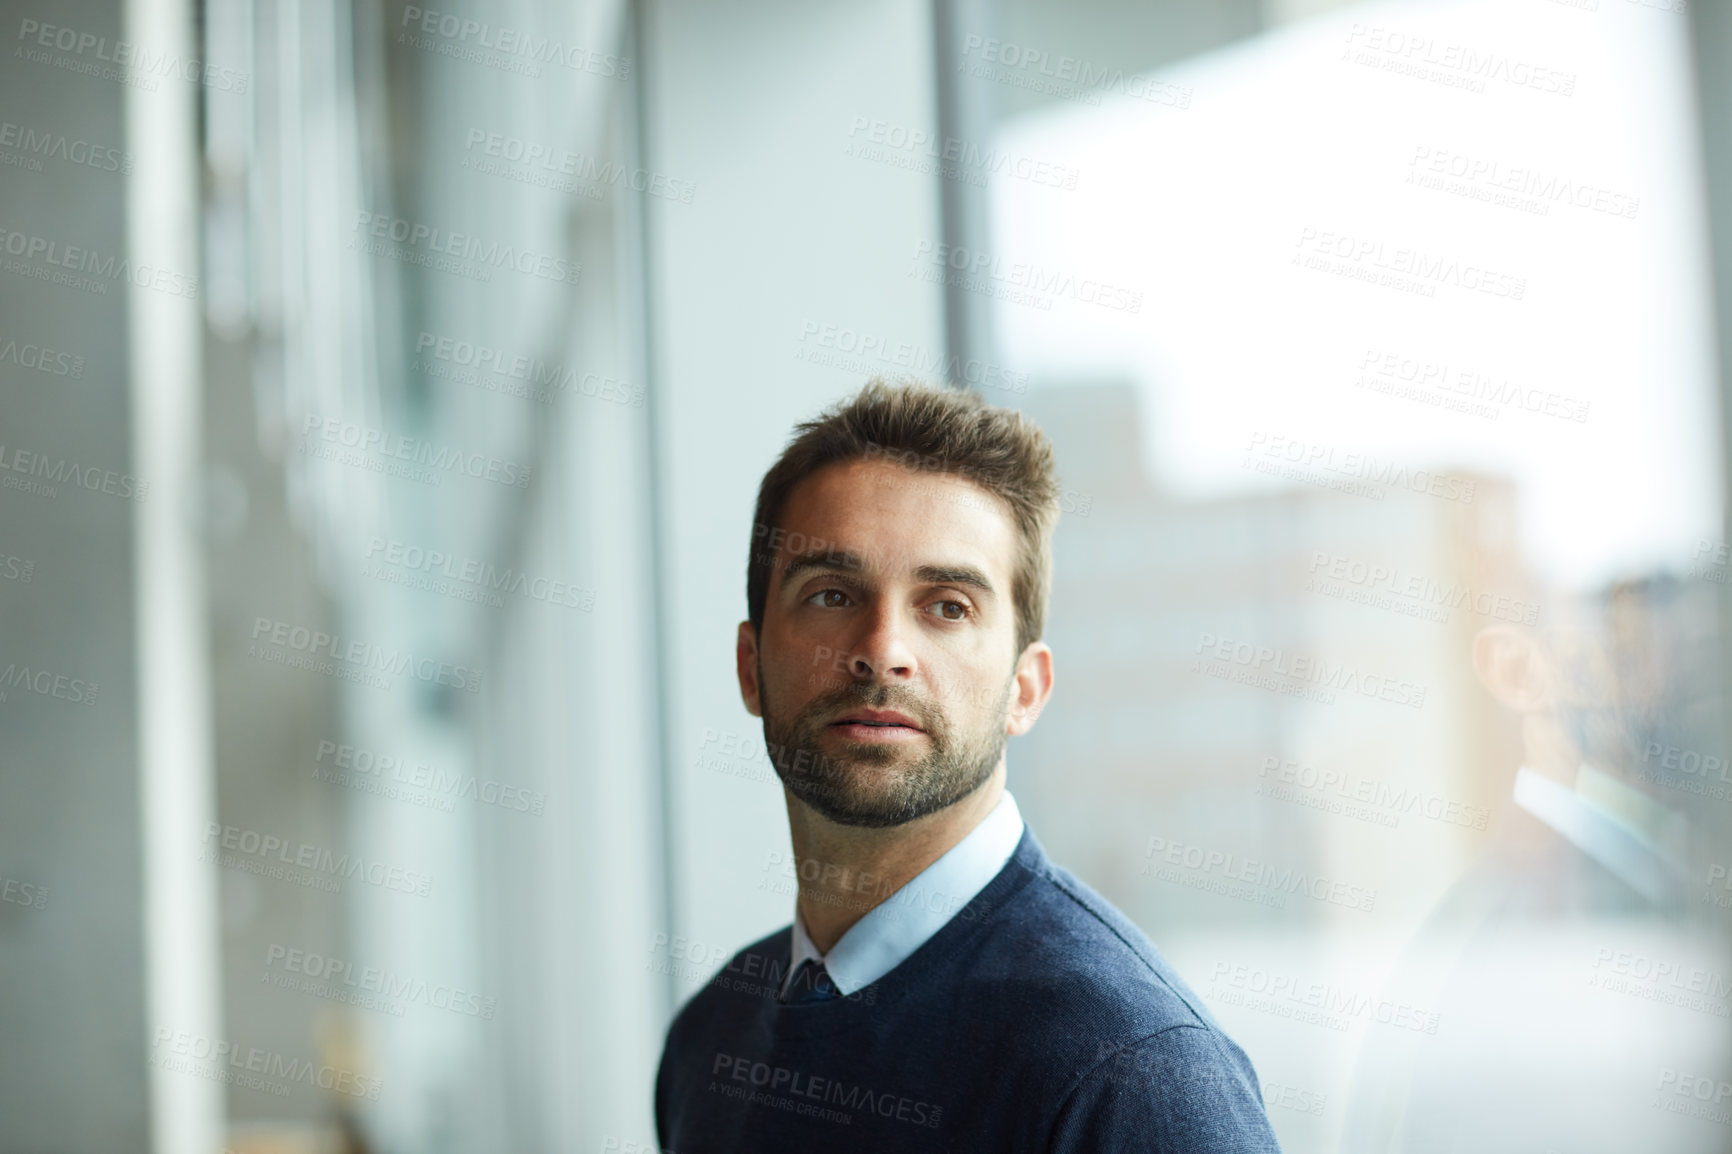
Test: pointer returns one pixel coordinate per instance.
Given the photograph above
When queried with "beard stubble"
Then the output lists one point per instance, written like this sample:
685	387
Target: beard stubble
955	765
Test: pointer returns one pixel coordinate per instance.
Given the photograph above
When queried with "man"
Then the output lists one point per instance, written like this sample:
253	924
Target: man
1577	977
944	985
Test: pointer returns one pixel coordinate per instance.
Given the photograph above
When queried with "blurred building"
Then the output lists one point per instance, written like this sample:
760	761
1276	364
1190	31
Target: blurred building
1358	734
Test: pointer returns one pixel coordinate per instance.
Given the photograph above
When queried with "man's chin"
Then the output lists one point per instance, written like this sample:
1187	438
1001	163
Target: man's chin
871	795
862	774
854	806
863	787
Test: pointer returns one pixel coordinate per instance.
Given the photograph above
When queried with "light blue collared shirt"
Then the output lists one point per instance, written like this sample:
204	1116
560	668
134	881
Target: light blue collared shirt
902	923
1617	845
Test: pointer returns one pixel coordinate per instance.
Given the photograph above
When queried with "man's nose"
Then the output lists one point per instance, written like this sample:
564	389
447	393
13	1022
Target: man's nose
883	650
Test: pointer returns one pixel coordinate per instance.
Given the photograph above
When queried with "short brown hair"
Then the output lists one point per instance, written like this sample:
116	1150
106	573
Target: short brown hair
920	427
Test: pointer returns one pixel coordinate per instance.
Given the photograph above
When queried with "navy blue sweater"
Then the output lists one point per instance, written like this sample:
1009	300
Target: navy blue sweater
1039	1018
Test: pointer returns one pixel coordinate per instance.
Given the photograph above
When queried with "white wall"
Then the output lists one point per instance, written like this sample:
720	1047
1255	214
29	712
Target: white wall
755	102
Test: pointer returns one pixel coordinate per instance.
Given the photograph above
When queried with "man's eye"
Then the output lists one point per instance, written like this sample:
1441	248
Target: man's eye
822	598
945	607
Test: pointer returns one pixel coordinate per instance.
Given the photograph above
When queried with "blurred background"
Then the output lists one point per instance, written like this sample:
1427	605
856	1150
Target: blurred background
385	390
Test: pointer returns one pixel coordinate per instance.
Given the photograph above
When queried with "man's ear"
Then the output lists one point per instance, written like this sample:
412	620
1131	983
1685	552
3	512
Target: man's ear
746	666
1033	685
1510	663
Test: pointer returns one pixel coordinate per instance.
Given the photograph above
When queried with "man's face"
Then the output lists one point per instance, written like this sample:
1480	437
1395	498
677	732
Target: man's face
886	671
1605	691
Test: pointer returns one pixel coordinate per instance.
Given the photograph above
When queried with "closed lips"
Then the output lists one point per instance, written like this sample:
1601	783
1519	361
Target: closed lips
878	721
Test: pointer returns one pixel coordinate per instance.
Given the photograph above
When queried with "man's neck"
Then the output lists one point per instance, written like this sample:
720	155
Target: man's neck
844	871
1547	751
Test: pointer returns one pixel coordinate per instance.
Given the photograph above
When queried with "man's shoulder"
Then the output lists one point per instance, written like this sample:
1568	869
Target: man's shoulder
1183	1088
1122	1036
722	1007
1062	949
742	984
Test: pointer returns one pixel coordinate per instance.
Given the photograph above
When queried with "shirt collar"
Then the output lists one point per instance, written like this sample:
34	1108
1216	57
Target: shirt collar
1611	838
903	922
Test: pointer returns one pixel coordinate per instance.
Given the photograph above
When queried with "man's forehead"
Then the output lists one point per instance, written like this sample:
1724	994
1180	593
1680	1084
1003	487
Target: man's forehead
871	516
860	486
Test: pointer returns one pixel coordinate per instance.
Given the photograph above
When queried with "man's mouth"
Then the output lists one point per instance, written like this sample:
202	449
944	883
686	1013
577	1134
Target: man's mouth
876	725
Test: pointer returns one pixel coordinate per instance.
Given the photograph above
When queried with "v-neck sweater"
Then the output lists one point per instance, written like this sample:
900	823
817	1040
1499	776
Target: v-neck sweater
1039	1018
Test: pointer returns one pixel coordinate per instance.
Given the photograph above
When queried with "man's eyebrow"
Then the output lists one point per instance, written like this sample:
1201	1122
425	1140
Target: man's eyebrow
956	575
821	560
830	561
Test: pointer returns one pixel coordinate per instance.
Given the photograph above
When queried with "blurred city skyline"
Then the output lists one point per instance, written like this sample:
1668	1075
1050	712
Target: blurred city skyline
387	390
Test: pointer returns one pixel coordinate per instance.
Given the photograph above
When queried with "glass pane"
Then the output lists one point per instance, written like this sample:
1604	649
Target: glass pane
1377	350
